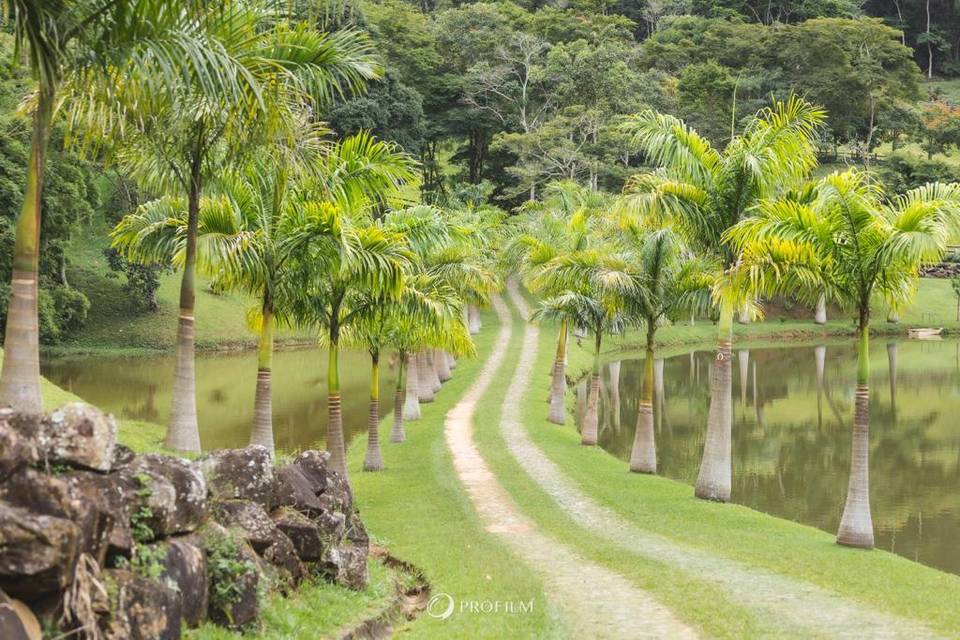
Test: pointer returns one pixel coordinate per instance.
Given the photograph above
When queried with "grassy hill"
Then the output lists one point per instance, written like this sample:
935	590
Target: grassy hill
113	324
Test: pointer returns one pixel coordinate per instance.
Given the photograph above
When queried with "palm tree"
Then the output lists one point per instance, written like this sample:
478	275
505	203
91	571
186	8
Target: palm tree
568	221
594	285
72	47
675	283
841	237
266	72
426	310
242	227
703	192
344	268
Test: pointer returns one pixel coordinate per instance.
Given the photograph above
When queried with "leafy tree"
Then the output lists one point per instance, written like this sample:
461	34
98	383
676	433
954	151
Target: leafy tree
344	267
388	109
941	127
841	237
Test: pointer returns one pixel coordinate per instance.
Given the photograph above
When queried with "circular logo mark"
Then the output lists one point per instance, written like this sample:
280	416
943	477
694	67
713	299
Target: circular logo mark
440	606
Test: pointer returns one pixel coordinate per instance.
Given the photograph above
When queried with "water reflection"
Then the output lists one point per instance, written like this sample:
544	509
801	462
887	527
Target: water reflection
792	425
140	389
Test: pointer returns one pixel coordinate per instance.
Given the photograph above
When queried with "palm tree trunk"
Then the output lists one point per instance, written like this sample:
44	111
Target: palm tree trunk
441	365
714	479
338	458
856	525
474	319
820	316
744	316
262	432
451	361
425	377
20	379
397	433
588	434
411	399
431	356
558	384
183	433
643	455
374	459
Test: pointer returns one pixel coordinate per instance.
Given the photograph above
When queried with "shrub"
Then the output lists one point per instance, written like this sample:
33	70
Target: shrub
71	307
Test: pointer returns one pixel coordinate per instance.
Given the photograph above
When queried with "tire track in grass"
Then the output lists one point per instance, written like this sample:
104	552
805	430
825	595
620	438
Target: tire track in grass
595	602
818	611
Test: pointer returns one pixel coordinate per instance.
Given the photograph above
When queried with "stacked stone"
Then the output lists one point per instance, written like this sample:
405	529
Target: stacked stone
80	512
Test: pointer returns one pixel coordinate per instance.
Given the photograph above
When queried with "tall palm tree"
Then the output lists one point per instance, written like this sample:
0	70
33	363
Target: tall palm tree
267	72
595	285
675	283
567	221
703	192
73	47
843	238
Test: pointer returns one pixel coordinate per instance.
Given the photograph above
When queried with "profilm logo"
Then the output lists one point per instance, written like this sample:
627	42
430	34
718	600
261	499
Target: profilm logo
443	605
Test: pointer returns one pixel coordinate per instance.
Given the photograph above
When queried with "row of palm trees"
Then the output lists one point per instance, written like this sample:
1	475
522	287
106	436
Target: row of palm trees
217	108
712	232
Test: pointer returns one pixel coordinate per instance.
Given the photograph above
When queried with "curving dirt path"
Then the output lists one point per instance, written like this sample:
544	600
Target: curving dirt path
809	609
595	602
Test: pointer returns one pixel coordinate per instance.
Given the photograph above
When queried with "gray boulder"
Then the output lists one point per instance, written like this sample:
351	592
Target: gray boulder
185	565
313	464
283	558
250	519
112	493
244	474
79	434
170	495
291	488
58	496
140	608
307	539
38	553
346	564
15	451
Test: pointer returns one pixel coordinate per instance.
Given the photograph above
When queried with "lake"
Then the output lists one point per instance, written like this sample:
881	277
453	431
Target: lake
140	388
791	434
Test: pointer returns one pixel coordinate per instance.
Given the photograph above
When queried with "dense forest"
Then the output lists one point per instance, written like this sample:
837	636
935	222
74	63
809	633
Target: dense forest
496	99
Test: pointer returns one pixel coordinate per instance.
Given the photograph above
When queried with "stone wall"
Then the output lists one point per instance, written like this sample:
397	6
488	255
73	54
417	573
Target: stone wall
105	543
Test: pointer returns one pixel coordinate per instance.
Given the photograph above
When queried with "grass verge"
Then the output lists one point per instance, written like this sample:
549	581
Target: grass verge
317	610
